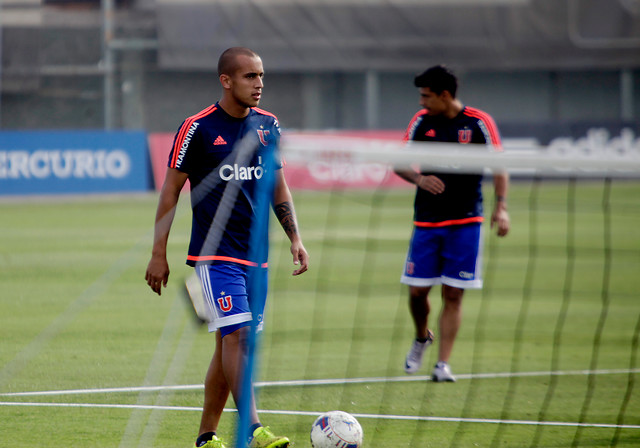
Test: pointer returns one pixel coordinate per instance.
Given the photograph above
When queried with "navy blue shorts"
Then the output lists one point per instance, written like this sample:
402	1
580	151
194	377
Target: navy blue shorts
449	255
228	296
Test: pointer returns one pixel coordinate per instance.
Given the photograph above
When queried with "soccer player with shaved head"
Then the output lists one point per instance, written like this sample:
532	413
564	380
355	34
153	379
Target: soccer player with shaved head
228	152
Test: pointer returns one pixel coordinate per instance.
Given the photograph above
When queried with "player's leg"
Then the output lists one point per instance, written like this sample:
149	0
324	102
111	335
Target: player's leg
420	307
461	270
216	393
224	290
421	272
224	376
234	358
260	436
448	325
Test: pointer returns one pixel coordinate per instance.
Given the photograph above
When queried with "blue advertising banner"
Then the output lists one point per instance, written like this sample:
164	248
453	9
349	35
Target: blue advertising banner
45	162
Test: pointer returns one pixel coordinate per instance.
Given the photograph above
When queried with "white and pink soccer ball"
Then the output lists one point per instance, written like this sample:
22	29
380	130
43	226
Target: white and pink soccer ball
336	429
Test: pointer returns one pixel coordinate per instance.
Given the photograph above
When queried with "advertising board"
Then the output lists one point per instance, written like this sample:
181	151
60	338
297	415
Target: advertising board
45	162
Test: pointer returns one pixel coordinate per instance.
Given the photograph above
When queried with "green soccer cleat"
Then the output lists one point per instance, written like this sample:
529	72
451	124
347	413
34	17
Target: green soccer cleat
213	443
264	438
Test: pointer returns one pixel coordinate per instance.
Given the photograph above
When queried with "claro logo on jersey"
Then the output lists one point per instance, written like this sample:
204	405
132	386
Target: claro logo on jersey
236	172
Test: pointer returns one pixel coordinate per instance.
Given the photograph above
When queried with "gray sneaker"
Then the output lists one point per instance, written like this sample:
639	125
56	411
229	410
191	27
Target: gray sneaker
414	358
442	372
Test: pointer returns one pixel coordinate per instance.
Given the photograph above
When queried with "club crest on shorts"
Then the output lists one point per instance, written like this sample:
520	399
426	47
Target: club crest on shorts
410	267
225	302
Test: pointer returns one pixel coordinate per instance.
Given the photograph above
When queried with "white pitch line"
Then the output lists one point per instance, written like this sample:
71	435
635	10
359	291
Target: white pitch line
111	390
322	382
316	413
102	405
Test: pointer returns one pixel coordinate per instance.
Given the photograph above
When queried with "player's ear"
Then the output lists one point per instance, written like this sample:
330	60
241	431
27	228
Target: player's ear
446	95
225	80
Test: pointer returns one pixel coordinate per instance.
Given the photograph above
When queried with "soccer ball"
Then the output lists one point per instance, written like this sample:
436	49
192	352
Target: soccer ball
336	429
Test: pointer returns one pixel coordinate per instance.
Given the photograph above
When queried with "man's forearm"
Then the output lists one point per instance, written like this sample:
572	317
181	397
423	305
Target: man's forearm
286	216
501	188
410	176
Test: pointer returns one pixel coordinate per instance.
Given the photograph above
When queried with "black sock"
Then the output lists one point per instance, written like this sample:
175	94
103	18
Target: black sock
204	438
252	429
422	340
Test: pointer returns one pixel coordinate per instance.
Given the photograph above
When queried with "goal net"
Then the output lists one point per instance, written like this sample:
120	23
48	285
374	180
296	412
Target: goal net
547	350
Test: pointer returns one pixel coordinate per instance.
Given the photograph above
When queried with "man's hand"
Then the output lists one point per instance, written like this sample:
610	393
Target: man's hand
500	217
157	274
430	183
300	257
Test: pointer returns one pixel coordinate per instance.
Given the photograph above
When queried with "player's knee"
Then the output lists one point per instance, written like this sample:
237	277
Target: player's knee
452	296
237	335
242	333
418	292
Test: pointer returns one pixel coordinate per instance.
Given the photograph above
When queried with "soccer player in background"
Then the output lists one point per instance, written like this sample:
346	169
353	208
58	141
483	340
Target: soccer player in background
222	150
445	245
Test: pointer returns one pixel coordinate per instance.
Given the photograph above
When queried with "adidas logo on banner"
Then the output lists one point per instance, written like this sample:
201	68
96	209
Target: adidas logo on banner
219	141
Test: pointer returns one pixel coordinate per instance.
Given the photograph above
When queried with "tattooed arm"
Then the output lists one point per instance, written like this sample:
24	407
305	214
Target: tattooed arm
285	212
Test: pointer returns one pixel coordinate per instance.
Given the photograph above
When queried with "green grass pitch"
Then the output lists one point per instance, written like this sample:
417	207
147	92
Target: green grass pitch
552	338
